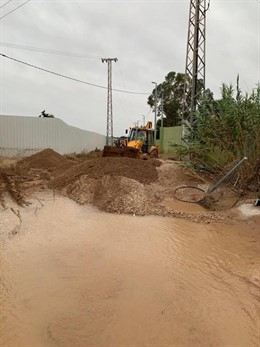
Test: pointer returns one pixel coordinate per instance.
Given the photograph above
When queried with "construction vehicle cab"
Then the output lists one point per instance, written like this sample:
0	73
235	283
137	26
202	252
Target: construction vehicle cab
142	139
139	144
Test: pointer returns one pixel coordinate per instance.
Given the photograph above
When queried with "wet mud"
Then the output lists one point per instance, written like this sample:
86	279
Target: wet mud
74	276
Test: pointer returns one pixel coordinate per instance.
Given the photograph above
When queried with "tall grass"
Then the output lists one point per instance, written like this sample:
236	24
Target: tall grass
229	129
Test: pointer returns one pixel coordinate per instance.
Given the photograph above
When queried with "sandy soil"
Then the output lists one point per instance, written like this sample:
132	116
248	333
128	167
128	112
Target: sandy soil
116	185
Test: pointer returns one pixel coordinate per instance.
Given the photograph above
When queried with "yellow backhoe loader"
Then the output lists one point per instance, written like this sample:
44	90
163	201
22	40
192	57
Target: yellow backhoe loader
139	144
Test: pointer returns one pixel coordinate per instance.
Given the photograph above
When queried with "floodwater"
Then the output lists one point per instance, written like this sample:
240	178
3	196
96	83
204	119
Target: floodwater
72	276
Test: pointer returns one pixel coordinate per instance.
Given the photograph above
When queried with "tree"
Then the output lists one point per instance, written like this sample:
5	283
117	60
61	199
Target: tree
172	91
46	115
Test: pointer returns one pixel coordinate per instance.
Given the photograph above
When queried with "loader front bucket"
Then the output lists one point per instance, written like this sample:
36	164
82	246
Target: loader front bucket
110	151
129	152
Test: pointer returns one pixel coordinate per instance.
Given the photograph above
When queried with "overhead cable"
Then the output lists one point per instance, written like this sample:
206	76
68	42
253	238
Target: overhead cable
49	51
24	3
70	78
5	3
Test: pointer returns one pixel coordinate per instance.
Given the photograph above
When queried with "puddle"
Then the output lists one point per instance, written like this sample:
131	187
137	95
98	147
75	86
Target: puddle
176	205
73	276
249	210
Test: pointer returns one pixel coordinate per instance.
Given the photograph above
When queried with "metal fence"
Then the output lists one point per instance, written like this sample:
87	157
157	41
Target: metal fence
22	136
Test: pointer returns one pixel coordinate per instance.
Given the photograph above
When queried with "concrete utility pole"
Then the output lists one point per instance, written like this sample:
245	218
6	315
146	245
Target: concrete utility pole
109	140
162	112
195	58
155	111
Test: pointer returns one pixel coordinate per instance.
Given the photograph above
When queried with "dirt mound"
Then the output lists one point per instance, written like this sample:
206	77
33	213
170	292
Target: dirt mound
121	195
115	194
83	190
30	174
46	159
113	184
78	180
139	170
96	153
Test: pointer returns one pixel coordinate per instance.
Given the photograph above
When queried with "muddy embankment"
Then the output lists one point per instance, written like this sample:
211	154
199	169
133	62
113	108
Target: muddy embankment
116	185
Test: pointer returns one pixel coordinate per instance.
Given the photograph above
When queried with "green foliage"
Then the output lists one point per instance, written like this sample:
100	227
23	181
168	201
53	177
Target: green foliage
172	92
229	128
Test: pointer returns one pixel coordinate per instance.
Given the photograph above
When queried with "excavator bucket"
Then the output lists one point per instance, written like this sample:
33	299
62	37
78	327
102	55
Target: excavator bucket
129	152
111	151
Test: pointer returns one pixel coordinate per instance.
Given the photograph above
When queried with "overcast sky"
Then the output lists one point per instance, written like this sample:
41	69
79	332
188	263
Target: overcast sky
148	38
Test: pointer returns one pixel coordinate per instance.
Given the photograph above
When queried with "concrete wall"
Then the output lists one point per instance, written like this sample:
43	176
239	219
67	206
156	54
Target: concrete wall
169	137
21	136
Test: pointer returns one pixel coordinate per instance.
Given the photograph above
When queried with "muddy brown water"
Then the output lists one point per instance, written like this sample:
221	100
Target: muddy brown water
74	276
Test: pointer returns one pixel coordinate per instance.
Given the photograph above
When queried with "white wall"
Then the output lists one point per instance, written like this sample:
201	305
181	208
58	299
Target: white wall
21	136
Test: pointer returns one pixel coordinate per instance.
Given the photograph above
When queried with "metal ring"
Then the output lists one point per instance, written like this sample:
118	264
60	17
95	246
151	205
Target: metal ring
185	187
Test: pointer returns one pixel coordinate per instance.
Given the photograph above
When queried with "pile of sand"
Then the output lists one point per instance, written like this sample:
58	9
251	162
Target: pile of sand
47	159
112	184
141	171
116	185
30	173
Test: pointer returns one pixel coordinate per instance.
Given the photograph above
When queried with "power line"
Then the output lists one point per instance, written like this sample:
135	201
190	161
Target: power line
70	78
120	77
5	3
24	3
48	51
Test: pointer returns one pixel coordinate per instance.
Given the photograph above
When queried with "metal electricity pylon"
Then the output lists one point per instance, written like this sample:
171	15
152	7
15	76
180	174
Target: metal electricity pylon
109	140
195	59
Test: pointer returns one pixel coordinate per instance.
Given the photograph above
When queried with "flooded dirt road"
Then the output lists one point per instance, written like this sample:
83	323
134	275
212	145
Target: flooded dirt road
74	276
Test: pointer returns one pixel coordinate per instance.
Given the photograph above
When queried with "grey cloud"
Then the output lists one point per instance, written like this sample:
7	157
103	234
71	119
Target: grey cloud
148	38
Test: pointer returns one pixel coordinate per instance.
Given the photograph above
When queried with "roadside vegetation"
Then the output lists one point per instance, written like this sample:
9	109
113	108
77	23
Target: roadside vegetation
227	130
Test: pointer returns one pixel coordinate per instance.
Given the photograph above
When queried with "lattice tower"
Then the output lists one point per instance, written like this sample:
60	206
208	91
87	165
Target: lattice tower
109	139
195	59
